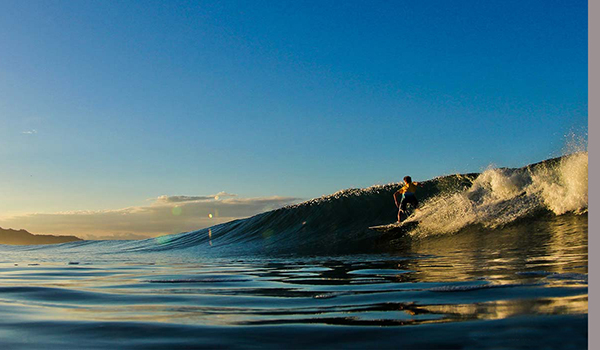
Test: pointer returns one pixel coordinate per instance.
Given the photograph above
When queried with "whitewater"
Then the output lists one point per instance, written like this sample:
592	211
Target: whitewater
497	259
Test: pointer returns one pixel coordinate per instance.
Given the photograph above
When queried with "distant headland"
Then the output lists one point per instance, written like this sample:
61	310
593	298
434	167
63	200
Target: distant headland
22	237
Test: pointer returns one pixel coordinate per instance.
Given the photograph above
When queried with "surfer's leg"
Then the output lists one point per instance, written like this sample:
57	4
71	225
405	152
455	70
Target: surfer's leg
402	208
415	203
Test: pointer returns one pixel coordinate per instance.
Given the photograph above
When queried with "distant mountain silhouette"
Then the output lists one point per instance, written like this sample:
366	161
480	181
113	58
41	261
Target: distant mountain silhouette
22	237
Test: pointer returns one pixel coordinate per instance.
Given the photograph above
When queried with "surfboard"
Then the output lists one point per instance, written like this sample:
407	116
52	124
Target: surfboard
399	227
395	227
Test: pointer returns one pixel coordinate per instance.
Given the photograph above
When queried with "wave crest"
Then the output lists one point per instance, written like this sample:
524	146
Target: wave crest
500	196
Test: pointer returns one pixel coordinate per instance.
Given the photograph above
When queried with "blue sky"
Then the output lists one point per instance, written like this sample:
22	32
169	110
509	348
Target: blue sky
108	104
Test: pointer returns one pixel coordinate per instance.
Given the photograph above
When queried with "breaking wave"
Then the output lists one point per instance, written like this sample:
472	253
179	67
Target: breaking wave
498	197
339	223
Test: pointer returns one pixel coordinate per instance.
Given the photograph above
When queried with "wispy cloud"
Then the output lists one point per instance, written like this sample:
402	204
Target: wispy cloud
165	215
119	236
181	199
29	132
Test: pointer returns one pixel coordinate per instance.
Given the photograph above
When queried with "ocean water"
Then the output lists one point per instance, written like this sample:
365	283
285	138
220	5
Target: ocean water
498	260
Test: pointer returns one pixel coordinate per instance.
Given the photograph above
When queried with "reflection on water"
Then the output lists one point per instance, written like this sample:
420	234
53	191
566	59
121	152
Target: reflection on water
554	245
456	284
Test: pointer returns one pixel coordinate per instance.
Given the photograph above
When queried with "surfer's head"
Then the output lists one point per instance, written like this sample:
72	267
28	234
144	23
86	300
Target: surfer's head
407	179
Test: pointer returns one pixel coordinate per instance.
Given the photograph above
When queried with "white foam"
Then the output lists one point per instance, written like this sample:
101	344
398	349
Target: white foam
564	189
500	196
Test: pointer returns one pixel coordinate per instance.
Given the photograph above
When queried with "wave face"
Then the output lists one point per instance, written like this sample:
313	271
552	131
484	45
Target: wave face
338	223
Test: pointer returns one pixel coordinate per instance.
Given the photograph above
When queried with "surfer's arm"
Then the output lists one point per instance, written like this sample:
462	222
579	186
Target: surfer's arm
396	194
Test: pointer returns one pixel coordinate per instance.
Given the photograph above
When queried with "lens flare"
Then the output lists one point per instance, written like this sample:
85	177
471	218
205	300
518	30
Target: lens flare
162	240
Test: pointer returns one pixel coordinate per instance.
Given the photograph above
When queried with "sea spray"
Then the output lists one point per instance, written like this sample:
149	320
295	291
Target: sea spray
565	188
500	196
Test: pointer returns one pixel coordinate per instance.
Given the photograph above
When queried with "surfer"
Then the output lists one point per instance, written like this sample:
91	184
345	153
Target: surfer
408	196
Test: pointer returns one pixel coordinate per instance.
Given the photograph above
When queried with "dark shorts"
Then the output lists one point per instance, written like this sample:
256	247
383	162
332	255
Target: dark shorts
408	198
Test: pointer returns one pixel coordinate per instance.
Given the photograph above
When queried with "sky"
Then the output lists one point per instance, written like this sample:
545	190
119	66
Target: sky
115	113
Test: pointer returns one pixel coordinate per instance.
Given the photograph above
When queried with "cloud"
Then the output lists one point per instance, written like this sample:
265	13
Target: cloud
180	199
120	236
165	215
29	132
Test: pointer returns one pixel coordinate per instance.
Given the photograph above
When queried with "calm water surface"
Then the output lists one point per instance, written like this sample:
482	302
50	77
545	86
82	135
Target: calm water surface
524	286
